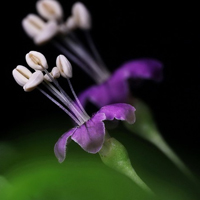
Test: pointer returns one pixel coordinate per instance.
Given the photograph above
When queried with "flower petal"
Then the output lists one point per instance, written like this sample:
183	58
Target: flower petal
111	91
120	111
145	68
116	88
61	144
90	135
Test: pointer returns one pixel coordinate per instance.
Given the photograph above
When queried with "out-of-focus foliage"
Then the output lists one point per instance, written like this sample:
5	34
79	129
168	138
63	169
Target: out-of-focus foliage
29	169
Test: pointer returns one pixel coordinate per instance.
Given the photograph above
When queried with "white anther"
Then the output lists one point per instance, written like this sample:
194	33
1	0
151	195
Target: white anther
48	32
36	60
32	25
64	66
49	9
81	15
71	23
68	26
55	73
21	75
35	79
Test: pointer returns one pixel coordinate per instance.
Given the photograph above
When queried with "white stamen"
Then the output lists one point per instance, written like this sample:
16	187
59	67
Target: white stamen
55	73
64	66
66	100
87	58
60	106
42	32
21	75
32	25
36	60
30	81
47	33
81	15
35	79
70	24
49	9
86	116
96	53
74	58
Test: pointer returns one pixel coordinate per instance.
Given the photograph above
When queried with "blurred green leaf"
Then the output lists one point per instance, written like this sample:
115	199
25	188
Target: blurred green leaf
32	171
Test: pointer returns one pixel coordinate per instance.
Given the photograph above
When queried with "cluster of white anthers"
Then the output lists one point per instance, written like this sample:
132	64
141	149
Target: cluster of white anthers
29	81
50	27
41	28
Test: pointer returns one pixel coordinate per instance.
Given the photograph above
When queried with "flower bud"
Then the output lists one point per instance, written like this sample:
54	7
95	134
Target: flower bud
21	75
64	66
36	60
49	9
81	15
35	79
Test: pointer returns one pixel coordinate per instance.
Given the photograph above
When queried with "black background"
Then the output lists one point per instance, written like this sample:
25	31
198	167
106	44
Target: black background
122	30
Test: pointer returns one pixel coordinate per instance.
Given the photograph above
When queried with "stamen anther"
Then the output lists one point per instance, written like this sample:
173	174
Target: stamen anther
32	25
81	15
64	66
35	79
21	75
47	33
55	73
49	9
36	60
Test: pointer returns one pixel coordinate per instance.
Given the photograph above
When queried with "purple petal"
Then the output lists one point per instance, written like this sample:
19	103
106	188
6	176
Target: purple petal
111	91
116	88
61	144
90	135
145	68
119	111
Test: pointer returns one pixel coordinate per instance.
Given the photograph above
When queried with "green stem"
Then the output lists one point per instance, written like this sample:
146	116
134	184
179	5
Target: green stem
146	128
162	145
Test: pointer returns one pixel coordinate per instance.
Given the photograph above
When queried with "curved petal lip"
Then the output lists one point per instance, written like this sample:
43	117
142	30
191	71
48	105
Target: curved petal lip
119	111
60	147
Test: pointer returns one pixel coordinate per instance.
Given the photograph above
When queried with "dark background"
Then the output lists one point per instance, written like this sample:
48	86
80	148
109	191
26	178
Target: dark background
121	32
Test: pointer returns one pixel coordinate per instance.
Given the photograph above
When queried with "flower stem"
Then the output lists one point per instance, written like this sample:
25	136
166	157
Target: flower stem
114	155
146	128
161	144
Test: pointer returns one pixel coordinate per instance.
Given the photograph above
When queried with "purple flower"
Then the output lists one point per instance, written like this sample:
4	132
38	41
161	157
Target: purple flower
90	135
111	87
90	131
116	89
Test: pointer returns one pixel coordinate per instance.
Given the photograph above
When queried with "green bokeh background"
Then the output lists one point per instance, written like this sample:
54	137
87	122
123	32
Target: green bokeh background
29	169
